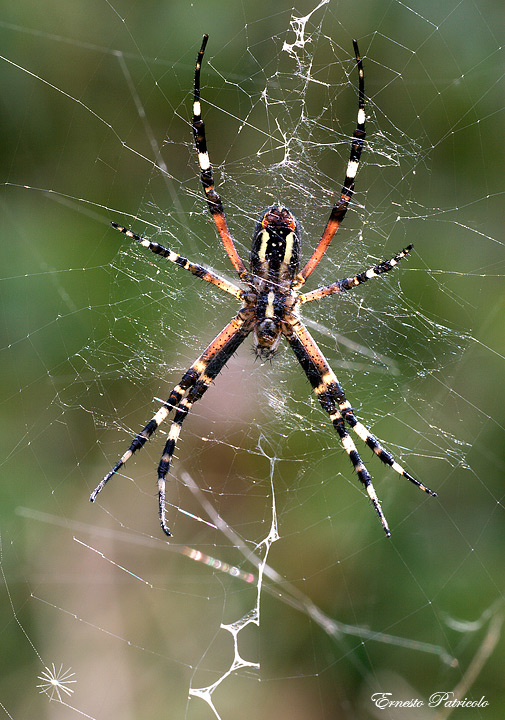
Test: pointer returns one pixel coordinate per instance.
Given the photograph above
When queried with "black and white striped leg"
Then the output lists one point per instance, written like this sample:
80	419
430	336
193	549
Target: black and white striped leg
357	462
212	367
164	465
340	208
213	200
351	282
138	442
372	442
318	373
358	140
239	327
198	270
330	394
168	452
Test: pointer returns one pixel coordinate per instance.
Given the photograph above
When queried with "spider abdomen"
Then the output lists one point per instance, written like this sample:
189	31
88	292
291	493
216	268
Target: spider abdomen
275	250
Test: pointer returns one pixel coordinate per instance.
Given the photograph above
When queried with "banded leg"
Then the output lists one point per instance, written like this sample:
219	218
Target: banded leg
316	376
138	442
351	282
183	262
211	364
330	384
375	445
213	199
329	391
189	379
357	462
340	208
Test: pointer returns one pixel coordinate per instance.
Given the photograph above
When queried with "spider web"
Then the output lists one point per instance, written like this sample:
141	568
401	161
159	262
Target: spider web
278	594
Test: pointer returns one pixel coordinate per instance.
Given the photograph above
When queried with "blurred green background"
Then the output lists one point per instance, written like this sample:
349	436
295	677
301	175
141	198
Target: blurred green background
96	97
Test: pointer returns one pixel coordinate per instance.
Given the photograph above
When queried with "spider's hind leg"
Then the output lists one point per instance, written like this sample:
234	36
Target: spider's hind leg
357	463
210	364
375	445
321	378
194	382
143	436
332	398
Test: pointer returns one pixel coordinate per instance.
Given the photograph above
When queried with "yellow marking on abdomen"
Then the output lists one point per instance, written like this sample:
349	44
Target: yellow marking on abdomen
288	253
262	252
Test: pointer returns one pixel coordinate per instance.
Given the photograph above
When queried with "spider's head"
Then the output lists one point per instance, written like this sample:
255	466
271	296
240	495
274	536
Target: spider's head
266	339
275	251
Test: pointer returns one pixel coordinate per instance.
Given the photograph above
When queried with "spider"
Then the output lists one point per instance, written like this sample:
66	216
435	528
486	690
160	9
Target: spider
269	311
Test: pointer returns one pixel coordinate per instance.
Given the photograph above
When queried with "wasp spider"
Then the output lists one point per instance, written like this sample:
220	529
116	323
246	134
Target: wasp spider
270	304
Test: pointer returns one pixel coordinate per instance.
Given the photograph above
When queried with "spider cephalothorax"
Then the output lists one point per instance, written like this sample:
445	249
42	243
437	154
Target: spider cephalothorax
269	311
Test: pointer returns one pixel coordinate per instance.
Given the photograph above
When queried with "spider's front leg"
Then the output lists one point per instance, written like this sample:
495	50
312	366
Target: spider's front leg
340	208
213	199
193	384
330	394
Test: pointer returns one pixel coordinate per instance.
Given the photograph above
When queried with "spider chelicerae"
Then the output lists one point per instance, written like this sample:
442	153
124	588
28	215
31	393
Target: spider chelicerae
270	304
